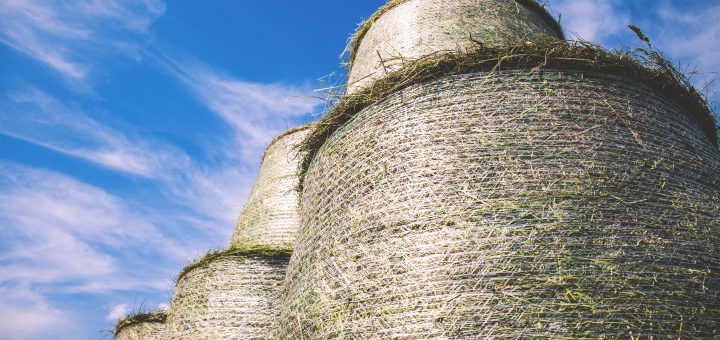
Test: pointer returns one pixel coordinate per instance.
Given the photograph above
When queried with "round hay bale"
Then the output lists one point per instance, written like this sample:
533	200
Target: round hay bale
410	29
270	217
142	326
228	295
555	202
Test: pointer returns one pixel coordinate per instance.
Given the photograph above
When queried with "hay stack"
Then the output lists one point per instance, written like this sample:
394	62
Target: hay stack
270	214
528	192
384	41
143	326
232	294
228	295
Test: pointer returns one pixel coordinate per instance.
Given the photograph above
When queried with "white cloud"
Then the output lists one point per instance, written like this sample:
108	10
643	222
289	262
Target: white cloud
59	231
118	312
71	37
591	20
34	116
693	37
257	112
27	315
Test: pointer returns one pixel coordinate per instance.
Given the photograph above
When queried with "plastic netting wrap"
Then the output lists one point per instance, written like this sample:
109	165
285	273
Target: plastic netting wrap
228	295
409	29
270	215
541	203
144	326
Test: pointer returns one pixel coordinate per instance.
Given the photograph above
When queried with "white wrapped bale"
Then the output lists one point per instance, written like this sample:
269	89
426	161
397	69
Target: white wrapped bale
569	193
230	294
270	217
410	29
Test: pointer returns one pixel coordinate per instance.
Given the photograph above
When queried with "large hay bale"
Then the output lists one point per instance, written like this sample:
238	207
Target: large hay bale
270	215
580	200
410	29
142	326
228	295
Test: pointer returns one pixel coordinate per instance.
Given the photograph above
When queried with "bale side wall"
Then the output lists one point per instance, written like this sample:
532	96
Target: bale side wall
417	28
510	204
270	216
231	298
142	331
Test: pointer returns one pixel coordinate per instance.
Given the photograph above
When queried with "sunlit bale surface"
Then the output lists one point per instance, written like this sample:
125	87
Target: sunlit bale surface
228	295
270	215
409	29
547	203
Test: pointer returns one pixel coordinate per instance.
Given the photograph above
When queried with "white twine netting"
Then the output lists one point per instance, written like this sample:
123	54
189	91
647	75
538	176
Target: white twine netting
269	217
411	29
142	331
231	297
510	204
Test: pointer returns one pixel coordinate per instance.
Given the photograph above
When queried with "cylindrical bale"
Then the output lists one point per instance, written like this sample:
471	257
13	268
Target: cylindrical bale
410	29
143	326
270	216
228	295
520	204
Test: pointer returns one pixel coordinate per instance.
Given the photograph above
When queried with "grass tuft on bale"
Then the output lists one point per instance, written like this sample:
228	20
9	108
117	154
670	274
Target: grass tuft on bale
261	252
140	318
364	27
646	65
283	135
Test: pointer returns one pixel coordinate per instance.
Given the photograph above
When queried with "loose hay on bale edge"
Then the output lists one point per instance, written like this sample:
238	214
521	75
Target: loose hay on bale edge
228	294
269	217
477	200
528	55
146	326
411	29
364	26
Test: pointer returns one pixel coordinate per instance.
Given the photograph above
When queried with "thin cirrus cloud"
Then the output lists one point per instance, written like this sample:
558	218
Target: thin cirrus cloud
693	36
256	112
28	315
57	230
688	34
71	37
62	236
36	117
591	20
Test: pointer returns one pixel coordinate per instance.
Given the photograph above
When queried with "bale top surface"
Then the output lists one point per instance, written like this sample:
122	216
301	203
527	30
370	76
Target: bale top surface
150	317
286	133
647	67
258	252
364	27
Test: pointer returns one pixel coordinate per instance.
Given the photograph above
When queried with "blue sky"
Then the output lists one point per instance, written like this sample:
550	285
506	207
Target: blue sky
131	131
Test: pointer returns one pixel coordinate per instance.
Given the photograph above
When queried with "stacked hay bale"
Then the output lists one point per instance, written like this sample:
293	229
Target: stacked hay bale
270	214
408	29
232	294
142	326
229	294
536	189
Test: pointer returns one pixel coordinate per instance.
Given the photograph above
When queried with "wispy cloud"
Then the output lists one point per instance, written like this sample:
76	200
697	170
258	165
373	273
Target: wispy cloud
591	20
118	312
34	116
693	37
27	315
71	37
211	194
61	231
687	33
257	112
